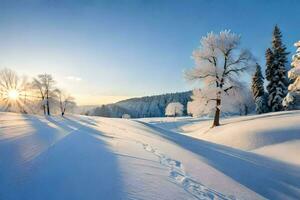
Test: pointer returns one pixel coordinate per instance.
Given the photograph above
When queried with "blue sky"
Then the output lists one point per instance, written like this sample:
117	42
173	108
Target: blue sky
103	51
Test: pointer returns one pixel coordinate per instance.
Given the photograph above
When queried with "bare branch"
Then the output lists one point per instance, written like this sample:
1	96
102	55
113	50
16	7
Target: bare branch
236	70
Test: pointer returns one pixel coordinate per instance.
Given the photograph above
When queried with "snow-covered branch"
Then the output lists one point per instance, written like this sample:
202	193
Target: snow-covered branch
217	62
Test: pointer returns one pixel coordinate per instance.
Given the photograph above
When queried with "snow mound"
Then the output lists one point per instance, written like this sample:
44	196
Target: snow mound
276	135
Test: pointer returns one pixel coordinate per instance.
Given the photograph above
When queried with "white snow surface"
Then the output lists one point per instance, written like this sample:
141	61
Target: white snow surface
276	135
80	157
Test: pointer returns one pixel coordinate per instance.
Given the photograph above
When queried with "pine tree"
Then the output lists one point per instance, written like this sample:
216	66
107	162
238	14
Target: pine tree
258	83
276	73
269	64
258	91
292	99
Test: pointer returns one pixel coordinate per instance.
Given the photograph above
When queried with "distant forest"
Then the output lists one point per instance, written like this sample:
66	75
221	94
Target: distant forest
149	106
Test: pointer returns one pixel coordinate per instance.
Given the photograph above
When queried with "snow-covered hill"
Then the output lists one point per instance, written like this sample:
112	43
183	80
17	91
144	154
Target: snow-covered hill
100	158
276	135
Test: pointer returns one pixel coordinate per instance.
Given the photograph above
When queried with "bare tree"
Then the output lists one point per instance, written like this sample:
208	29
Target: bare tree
45	84
218	64
11	90
17	94
38	85
66	101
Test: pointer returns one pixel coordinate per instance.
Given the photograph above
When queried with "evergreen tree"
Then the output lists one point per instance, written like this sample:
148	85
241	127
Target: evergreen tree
276	73
258	83
292	99
269	64
258	91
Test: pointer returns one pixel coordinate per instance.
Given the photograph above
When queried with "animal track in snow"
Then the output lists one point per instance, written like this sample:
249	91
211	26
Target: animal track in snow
179	177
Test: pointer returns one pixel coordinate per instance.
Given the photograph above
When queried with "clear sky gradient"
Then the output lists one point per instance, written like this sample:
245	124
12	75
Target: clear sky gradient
104	51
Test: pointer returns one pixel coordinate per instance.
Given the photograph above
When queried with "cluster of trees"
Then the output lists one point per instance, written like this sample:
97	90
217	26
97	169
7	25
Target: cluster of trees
276	75
219	65
150	106
221	68
283	88
37	96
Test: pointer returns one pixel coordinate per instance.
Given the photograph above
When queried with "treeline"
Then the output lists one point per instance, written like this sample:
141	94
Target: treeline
37	95
150	106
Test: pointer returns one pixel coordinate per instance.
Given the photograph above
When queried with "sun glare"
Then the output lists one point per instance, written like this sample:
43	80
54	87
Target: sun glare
13	94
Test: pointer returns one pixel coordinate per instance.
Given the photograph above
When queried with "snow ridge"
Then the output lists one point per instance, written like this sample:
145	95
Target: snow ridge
179	177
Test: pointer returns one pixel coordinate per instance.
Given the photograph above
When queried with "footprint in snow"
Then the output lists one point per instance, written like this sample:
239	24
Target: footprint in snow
178	176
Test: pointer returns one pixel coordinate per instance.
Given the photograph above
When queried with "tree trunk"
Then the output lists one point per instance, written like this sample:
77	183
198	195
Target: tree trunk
217	114
44	106
61	107
48	106
63	111
246	110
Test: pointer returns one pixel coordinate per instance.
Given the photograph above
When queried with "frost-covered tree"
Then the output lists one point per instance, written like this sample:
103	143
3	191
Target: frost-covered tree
174	109
292	100
219	63
258	91
195	107
235	102
276	73
126	116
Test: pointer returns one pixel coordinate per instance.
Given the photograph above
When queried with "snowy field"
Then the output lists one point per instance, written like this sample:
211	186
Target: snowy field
79	157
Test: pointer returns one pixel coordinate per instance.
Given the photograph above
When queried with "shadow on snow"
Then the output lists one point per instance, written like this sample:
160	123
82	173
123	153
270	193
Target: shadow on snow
59	160
265	176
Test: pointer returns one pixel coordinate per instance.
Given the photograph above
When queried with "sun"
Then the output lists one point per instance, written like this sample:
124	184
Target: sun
13	94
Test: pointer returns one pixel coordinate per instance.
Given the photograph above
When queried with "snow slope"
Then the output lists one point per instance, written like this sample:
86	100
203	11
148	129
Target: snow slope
276	135
99	158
